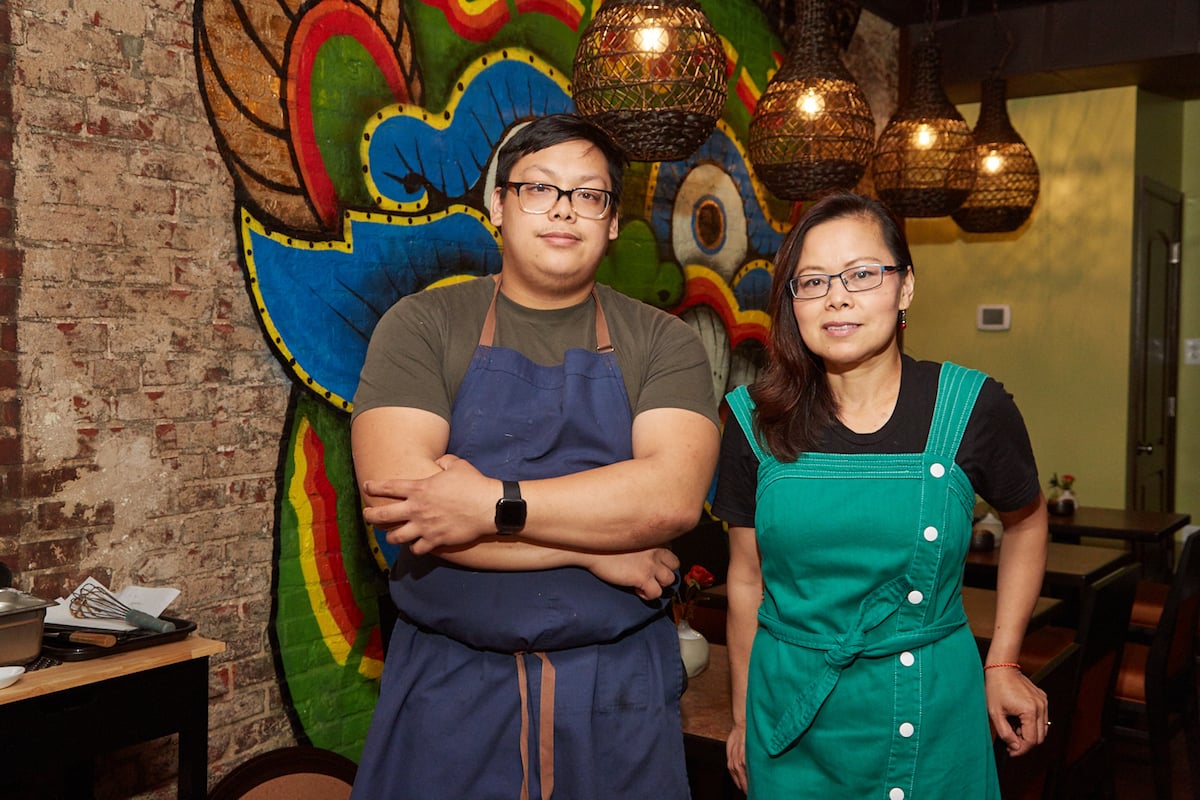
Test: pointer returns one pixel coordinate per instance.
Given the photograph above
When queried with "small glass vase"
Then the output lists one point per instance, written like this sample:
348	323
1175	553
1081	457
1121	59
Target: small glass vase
1063	505
693	648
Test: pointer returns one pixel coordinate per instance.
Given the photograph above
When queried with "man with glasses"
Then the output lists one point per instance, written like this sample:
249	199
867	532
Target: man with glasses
532	440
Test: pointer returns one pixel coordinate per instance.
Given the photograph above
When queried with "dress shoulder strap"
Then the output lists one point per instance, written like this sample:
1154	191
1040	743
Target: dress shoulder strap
743	409
958	388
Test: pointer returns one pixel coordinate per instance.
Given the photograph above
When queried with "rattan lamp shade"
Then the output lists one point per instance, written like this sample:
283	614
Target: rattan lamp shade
652	74
1006	188
925	162
812	129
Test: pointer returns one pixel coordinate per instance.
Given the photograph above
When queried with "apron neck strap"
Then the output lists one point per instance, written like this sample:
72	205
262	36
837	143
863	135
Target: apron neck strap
488	334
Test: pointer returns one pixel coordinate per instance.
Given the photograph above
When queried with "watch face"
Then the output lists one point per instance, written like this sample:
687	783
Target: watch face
510	515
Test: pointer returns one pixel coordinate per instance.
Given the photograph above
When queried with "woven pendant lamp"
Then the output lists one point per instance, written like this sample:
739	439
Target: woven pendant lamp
925	162
812	129
651	73
1006	188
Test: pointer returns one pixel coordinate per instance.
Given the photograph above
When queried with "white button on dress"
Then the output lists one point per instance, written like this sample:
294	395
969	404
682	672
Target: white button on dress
937	470
896	794
915	597
931	534
907	729
907	659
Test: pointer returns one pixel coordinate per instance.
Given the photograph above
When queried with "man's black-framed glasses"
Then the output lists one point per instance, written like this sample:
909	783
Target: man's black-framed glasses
862	278
538	198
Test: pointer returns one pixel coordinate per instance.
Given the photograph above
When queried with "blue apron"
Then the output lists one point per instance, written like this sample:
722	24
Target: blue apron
528	684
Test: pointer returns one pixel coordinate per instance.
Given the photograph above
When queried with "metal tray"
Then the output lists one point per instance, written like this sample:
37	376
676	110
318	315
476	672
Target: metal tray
55	644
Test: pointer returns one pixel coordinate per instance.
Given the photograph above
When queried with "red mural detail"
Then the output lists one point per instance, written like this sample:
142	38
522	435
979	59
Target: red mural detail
471	20
327	549
746	92
329	19
567	11
705	291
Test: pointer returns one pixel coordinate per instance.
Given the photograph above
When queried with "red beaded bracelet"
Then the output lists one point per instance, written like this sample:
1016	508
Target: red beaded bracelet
1002	664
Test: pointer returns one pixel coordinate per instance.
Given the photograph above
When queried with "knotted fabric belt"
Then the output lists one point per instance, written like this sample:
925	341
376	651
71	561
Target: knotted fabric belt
545	726
842	651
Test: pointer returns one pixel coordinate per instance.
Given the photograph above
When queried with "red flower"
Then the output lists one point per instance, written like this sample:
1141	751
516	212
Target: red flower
696	579
699	577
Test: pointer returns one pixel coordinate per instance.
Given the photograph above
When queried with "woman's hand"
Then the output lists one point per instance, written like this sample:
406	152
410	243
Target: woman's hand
1011	695
735	755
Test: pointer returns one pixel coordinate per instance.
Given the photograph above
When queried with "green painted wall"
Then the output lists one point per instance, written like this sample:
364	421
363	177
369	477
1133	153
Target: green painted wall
1066	275
1187	487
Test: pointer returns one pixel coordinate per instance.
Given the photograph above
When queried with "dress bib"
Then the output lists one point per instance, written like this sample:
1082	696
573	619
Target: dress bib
865	680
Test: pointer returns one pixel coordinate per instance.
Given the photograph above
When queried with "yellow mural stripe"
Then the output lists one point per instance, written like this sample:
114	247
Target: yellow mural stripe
331	634
713	279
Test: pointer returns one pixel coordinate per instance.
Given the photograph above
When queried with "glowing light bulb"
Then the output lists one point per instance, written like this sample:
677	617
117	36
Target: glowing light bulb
993	162
924	137
811	103
653	40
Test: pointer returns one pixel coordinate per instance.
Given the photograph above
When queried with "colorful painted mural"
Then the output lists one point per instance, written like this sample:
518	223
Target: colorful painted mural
360	140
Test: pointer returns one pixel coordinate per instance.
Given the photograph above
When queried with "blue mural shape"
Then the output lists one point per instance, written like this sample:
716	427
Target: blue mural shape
408	156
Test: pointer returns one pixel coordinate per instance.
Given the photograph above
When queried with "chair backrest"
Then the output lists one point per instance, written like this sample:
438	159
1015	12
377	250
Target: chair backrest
295	773
1032	775
1173	649
1104	622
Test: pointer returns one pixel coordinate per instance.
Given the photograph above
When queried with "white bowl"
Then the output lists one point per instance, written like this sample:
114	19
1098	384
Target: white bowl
9	676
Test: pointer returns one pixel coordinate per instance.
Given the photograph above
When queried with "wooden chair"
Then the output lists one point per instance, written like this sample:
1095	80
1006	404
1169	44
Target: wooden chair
1032	776
1105	609
295	773
1156	687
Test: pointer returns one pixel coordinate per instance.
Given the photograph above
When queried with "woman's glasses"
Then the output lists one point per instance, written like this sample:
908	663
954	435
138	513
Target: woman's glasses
862	278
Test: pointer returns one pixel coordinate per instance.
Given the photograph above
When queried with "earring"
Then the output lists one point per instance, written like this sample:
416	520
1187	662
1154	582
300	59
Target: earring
903	319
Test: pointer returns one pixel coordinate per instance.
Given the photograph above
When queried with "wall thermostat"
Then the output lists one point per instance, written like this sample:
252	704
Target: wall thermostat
993	318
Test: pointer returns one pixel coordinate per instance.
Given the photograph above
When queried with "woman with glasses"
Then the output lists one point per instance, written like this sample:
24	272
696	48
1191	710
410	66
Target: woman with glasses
848	477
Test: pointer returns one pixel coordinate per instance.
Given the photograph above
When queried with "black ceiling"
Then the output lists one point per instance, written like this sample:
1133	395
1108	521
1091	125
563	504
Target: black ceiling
1062	46
920	12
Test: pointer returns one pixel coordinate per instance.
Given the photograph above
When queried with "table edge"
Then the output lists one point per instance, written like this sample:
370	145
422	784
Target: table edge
72	674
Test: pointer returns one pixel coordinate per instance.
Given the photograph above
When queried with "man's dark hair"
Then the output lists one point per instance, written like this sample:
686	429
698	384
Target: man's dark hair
554	129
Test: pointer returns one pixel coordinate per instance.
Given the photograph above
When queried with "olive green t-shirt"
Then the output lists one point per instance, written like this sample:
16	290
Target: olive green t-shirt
423	344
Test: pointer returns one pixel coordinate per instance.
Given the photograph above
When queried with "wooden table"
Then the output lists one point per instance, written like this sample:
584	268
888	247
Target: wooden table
980	605
1068	566
1150	534
55	720
707	720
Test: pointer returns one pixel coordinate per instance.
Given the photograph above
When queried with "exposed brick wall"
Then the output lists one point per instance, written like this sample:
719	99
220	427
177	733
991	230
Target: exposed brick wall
140	409
11	509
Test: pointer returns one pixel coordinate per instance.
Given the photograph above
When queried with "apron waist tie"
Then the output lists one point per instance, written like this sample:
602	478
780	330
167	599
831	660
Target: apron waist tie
842	651
545	726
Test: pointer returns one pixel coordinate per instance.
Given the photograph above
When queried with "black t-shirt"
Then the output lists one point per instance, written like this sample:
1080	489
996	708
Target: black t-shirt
995	452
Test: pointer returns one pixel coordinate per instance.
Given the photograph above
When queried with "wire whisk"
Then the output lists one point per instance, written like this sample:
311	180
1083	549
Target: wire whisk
93	601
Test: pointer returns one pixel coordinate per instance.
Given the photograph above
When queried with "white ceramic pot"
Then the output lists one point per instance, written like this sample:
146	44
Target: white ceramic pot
693	648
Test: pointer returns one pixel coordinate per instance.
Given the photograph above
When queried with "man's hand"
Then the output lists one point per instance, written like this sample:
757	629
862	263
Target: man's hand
647	572
442	510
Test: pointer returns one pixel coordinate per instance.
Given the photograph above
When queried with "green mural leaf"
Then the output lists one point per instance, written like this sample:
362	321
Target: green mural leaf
632	266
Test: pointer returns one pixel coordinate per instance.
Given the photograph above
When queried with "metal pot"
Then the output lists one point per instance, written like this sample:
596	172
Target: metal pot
21	620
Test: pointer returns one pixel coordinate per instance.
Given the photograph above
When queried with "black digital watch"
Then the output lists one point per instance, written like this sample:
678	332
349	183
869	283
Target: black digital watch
510	510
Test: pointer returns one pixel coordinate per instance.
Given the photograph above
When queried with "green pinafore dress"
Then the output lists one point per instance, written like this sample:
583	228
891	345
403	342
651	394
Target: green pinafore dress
865	680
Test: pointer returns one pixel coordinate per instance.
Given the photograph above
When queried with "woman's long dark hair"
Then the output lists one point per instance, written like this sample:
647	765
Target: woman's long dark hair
793	403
